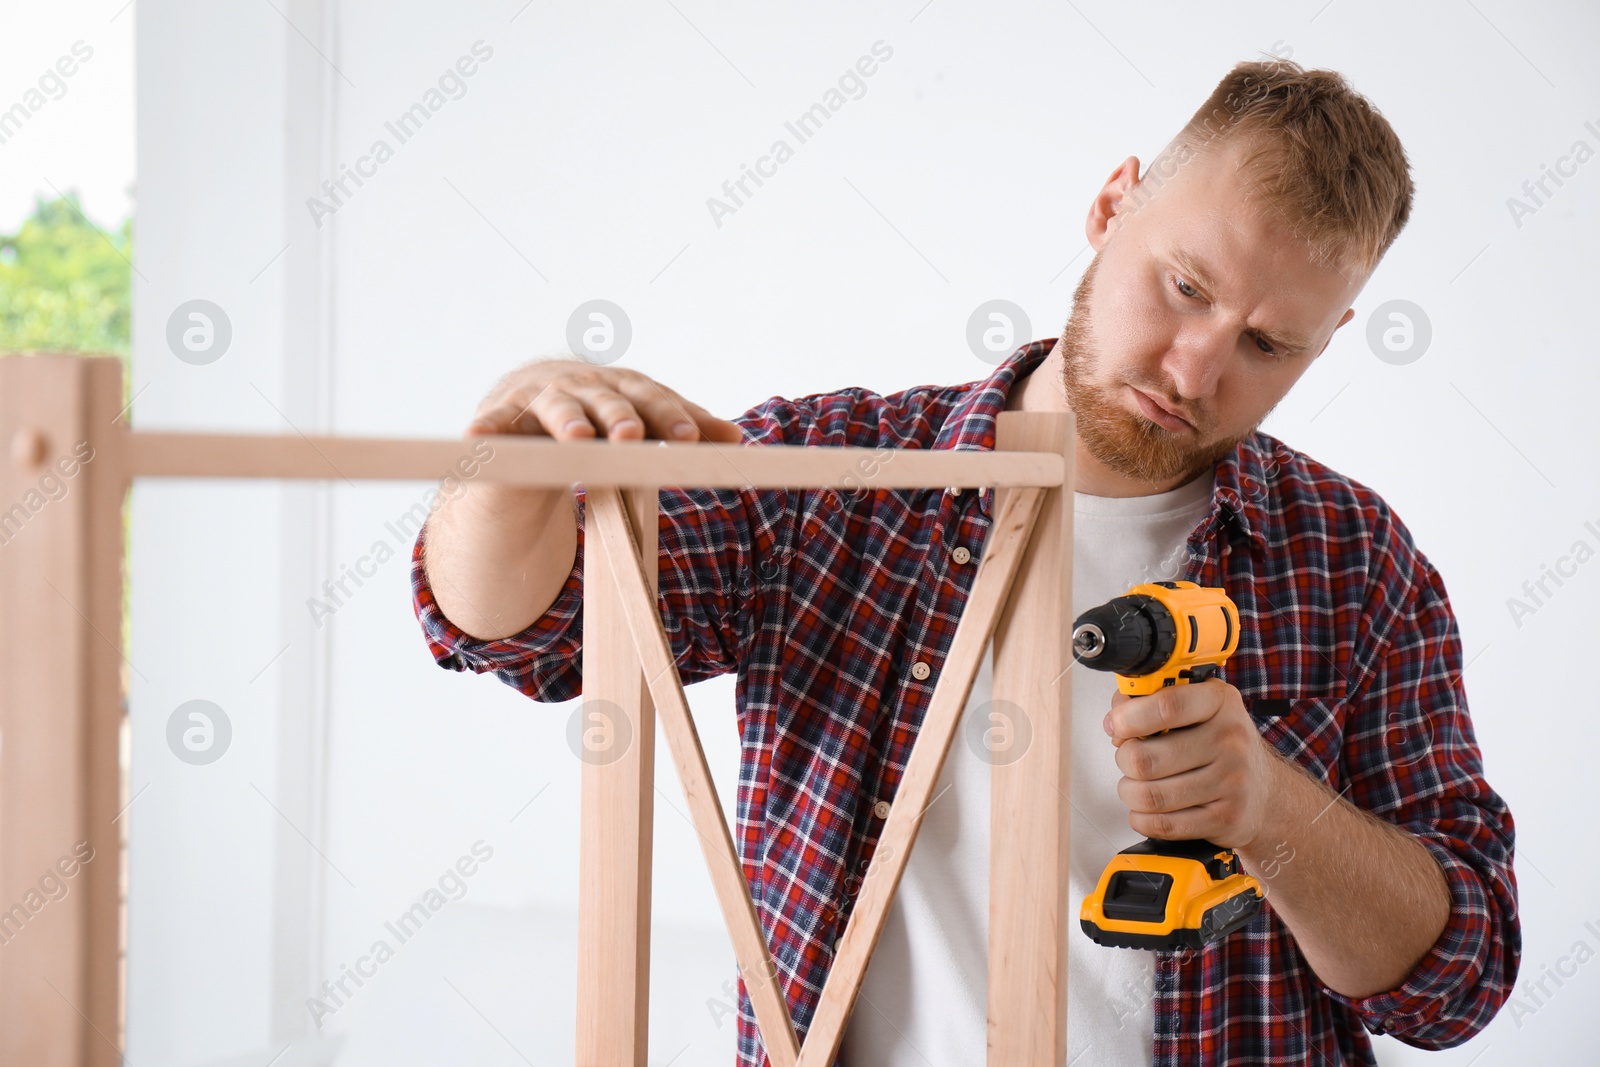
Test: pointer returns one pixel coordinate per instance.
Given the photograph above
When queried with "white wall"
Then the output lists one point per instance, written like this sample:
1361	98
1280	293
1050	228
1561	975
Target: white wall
79	130
577	165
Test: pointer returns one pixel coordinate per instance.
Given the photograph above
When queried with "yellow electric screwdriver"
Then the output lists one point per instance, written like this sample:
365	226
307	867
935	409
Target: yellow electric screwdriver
1164	894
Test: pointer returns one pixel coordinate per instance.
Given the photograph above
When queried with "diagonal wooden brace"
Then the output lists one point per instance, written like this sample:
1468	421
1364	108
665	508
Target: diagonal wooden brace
620	552
1001	558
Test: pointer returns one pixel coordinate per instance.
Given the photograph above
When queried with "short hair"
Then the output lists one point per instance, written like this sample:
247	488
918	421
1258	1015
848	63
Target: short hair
1315	151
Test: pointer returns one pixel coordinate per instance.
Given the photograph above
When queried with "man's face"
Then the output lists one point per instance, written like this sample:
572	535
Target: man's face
1201	302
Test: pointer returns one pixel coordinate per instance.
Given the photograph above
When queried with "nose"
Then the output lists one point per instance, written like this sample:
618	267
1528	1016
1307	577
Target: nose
1195	361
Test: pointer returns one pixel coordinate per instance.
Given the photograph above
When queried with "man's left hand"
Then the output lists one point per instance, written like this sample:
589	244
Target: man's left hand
1211	776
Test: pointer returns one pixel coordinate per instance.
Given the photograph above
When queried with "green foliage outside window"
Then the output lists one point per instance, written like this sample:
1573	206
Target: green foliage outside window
65	284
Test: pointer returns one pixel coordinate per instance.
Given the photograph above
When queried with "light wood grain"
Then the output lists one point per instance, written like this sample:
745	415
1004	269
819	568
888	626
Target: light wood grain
60	711
620	546
555	464
618	795
1030	810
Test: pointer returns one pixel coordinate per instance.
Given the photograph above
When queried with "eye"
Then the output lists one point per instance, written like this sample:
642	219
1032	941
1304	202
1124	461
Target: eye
1192	293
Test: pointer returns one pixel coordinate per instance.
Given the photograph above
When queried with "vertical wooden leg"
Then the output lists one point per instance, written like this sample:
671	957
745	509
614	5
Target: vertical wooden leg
607	518
617	745
62	486
1030	810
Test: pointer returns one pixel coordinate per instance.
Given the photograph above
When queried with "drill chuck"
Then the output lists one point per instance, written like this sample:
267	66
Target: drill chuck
1132	635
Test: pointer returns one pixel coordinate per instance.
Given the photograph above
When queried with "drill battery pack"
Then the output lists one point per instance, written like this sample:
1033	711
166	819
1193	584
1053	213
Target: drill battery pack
1170	895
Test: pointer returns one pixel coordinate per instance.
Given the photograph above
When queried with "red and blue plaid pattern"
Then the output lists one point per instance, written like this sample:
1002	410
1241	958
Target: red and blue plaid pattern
821	600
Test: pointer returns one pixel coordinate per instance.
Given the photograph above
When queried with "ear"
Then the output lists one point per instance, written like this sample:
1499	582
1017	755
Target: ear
1105	208
1349	313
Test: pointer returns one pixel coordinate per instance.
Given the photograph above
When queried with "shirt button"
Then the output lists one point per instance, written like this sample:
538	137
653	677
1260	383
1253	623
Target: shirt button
954	490
881	809
920	671
961	555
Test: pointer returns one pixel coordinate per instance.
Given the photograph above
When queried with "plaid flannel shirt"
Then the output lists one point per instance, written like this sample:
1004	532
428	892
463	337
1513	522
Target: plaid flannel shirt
821	600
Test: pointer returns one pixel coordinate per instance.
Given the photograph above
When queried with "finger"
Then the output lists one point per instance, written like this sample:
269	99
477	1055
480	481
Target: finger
611	413
716	429
669	416
1133	760
1149	758
1165	709
1191	789
506	414
666	414
1185	825
1118	698
550	411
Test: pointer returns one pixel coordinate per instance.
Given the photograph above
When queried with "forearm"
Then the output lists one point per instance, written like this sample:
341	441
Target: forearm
496	556
1364	900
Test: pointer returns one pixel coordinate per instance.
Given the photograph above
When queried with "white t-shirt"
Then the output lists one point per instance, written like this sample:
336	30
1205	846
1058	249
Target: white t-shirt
923	1000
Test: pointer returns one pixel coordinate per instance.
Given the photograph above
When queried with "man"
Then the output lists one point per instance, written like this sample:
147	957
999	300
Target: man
1335	752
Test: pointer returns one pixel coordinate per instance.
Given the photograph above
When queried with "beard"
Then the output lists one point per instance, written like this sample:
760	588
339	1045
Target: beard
1126	441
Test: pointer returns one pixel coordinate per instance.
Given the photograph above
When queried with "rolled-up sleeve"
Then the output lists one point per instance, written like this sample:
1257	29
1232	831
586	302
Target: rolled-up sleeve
720	553
542	660
709	551
1412	758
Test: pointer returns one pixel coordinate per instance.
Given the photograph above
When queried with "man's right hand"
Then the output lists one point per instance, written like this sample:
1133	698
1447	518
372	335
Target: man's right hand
571	400
497	556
